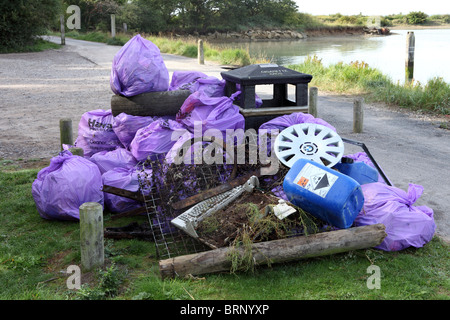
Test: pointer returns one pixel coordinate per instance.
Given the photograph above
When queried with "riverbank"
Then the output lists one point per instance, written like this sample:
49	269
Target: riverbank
419	27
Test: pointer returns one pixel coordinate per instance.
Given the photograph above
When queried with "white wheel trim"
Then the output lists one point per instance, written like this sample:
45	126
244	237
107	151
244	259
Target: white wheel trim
310	141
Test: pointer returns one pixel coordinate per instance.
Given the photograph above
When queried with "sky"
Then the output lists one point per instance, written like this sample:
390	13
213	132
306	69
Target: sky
372	7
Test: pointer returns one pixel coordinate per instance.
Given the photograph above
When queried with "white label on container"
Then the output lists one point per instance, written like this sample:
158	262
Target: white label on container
315	179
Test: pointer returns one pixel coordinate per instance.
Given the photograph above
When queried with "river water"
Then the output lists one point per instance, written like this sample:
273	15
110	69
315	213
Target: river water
386	53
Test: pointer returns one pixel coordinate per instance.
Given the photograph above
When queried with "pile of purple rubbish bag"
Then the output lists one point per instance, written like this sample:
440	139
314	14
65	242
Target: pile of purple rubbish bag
115	148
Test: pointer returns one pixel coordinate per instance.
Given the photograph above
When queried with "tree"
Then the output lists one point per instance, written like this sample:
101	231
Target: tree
21	21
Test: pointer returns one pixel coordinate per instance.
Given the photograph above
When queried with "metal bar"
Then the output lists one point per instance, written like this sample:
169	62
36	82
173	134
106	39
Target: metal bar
366	150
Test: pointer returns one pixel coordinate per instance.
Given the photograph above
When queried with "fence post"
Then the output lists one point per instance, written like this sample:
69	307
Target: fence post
201	54
91	235
65	132
113	25
63	34
312	108
409	63
358	115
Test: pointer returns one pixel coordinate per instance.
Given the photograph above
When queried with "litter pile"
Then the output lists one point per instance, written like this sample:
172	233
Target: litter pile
152	163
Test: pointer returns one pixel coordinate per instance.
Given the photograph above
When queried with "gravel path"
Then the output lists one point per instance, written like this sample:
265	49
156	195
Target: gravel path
39	89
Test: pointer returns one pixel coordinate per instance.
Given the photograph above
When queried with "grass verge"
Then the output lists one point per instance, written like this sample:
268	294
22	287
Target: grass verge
37	46
183	47
358	78
35	254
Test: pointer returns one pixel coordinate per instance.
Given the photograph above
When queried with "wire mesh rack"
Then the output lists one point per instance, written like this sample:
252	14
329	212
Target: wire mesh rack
164	183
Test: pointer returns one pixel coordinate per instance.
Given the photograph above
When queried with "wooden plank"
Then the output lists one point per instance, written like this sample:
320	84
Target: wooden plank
276	251
164	103
123	193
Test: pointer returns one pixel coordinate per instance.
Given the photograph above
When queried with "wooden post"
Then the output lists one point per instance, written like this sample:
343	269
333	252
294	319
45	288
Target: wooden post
313	93
91	235
63	34
409	63
358	115
113	25
276	251
65	132
201	54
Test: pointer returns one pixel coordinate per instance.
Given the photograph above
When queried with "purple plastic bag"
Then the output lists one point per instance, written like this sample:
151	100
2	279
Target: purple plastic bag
184	80
95	132
138	68
210	85
406	225
62	187
156	138
288	120
125	126
107	160
210	113
122	178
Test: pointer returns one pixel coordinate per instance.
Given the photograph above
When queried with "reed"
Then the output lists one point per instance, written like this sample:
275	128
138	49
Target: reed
359	78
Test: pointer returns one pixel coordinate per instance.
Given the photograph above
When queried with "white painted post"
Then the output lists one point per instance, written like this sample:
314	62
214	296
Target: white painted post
91	236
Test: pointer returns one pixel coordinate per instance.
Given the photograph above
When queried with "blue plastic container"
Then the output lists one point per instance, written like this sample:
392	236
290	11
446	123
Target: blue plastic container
324	193
360	171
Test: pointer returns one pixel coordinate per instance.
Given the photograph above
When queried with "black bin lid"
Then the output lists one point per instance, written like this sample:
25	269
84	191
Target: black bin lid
265	74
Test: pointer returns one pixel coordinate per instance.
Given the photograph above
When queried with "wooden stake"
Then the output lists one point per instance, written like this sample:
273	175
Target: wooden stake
313	93
276	251
201	54
65	132
91	235
358	115
63	34
409	63
113	25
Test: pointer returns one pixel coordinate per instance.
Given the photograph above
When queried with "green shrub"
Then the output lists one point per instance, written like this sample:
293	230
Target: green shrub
21	21
416	17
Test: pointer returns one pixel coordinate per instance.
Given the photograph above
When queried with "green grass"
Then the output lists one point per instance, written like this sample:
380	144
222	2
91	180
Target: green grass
34	251
36	46
359	78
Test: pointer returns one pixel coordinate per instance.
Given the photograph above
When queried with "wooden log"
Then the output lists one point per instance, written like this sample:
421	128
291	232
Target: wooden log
276	251
77	151
313	93
91	235
358	115
65	132
150	104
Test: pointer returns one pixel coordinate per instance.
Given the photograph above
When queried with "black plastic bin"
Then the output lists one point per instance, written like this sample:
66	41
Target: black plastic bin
249	77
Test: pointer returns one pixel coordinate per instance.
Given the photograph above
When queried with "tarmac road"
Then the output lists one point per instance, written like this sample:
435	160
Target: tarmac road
410	148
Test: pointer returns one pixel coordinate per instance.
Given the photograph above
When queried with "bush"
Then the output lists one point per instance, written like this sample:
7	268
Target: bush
416	17
22	21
